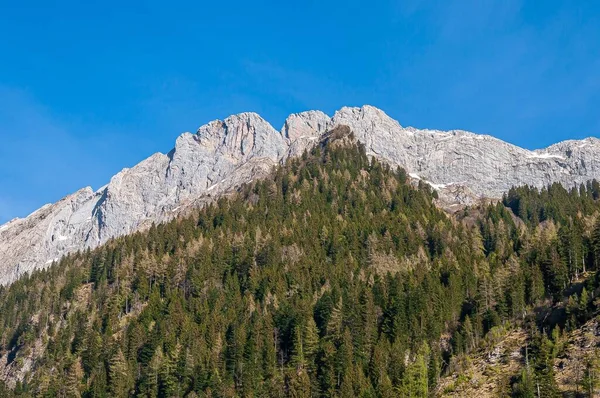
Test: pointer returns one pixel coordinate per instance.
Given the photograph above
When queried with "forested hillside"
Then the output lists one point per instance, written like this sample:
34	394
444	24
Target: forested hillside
333	277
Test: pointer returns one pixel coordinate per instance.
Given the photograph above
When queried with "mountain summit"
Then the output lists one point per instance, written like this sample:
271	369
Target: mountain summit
222	155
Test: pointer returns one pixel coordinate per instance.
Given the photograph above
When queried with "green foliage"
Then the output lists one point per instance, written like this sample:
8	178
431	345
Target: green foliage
332	277
590	382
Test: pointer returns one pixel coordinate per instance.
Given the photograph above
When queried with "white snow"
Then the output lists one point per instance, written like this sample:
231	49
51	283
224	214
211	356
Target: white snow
437	187
62	238
102	188
52	261
308	137
212	187
545	156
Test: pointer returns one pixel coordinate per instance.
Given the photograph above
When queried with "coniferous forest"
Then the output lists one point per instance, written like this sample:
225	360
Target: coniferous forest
333	277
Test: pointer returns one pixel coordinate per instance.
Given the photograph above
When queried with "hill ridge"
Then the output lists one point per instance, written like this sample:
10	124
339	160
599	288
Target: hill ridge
223	154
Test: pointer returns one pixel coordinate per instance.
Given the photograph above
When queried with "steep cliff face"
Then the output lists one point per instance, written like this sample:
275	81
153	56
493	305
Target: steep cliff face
485	165
222	155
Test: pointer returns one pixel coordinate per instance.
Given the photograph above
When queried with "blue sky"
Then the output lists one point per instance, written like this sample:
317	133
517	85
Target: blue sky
87	88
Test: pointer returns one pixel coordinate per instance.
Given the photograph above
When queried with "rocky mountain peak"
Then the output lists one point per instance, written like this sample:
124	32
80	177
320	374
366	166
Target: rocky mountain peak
241	135
223	154
303	125
366	118
365	112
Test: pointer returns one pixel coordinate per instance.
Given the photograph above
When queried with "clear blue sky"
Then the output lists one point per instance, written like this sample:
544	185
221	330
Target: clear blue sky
87	88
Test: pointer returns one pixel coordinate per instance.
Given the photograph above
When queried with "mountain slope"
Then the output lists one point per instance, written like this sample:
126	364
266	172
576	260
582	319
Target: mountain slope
239	299
224	154
332	276
497	368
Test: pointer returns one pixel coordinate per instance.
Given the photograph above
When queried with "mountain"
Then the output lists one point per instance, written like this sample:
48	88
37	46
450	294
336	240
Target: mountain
334	275
222	155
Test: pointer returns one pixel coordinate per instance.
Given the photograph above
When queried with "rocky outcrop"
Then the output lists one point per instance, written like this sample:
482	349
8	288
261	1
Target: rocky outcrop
485	165
222	155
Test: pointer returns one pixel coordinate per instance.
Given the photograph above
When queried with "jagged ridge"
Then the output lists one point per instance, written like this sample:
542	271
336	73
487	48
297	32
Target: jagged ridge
221	155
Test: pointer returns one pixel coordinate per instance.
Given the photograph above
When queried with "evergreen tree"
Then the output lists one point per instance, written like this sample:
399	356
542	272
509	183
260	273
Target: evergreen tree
72	383
118	376
591	376
416	378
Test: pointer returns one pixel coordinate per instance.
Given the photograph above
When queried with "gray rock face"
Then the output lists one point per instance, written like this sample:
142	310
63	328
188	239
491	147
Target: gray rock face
222	155
485	165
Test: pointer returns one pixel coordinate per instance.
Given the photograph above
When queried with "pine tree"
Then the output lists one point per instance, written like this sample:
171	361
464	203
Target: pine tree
544	369
73	379
42	387
118	375
368	325
416	378
591	377
525	388
378	366
185	370
298	358
152	384
334	326
91	351
328	377
298	383
310	342
346	389
595	240
469	334
167	381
